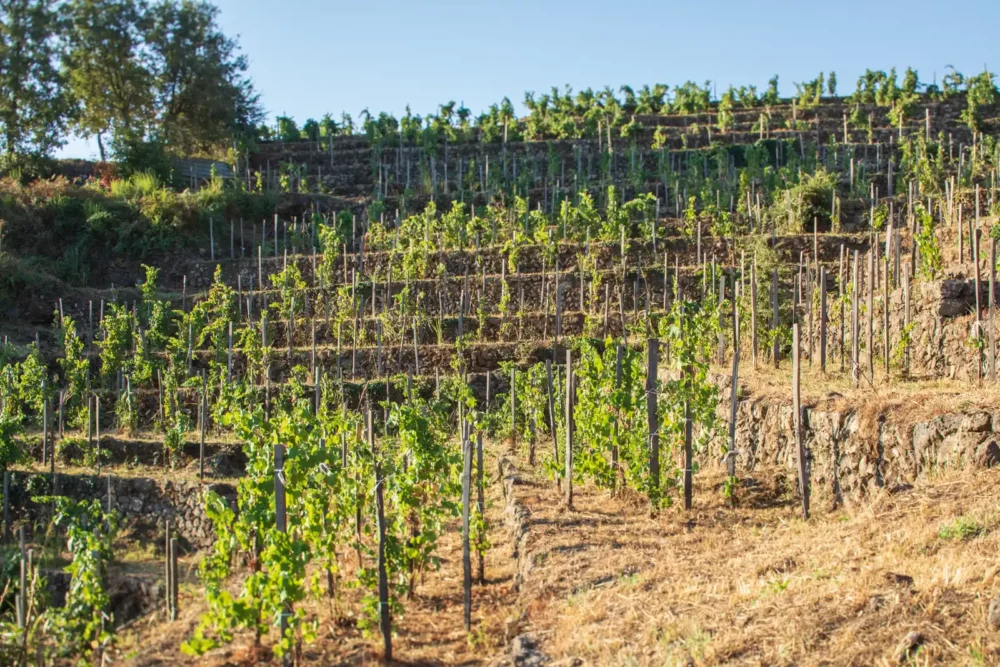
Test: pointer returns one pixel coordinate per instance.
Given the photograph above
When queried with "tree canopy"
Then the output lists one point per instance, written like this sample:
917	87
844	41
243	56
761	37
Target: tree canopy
130	71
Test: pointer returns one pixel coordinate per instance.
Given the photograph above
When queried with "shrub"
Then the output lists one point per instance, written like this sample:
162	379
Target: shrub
136	155
962	528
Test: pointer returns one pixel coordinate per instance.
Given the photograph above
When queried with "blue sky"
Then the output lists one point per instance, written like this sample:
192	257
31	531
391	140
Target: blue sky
310	57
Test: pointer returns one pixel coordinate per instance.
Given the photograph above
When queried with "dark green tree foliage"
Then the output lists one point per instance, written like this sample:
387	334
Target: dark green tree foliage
201	90
106	69
33	104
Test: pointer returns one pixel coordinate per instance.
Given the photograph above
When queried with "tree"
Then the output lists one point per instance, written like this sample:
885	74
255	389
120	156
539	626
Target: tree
33	106
199	77
106	68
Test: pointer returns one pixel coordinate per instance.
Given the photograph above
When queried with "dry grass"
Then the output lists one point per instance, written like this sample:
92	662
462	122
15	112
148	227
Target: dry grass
759	586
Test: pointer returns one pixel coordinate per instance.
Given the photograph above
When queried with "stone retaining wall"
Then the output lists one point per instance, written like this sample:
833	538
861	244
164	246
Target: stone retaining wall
145	503
848	460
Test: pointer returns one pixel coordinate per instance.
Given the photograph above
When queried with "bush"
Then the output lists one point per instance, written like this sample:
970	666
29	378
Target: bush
135	155
815	192
962	528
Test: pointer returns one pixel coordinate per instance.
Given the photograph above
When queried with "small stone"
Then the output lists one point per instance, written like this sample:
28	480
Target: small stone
952	307
908	646
987	454
524	653
993	613
899	579
977	422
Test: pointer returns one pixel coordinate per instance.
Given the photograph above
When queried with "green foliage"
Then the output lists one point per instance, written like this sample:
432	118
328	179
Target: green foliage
84	624
31	382
173	438
610	419
106	75
329	242
125	411
725	115
157	77
135	155
928	247
690	217
199	82
962	528
691	330
116	340
75	370
731	484
980	91
287	129
811	198
289	283
810	93
689	97
770	96
530	404
329	476
880	216
34	106
11	452
209	318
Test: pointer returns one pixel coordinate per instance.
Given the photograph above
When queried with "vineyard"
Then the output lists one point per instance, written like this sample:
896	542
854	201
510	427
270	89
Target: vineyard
659	379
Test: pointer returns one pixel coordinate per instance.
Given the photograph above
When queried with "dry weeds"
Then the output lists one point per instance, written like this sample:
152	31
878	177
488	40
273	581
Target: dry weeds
759	586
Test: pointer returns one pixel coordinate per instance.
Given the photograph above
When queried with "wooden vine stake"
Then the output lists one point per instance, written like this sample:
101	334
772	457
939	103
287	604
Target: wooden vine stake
733	396
204	422
822	319
906	319
797	422
281	521
513	408
776	344
45	425
22	599
480	505
97	430
869	316
992	333
688	444
979	308
855	369
174	586
6	505
466	555
843	324
652	354
615	469
886	302
753	311
168	571
385	613
552	415
569	429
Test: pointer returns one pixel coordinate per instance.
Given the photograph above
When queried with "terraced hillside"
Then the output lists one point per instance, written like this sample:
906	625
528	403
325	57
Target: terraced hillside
685	388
